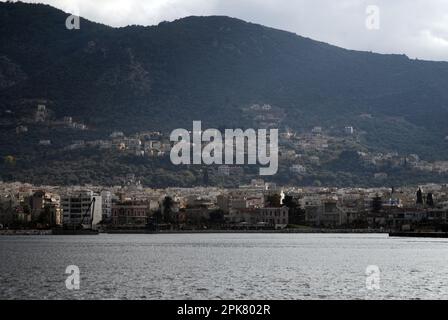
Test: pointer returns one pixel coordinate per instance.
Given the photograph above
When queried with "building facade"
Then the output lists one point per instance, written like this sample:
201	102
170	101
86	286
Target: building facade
130	212
81	207
279	217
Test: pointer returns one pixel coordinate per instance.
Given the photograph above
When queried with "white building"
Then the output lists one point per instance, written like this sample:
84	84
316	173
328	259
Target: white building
67	120
41	113
380	176
349	130
21	129
323	212
75	208
317	130
117	134
298	169
44	142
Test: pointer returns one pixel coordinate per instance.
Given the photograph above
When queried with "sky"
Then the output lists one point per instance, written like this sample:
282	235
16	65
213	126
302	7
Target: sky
417	28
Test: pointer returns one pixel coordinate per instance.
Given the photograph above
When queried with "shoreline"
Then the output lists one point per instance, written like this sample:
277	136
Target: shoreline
353	231
32	232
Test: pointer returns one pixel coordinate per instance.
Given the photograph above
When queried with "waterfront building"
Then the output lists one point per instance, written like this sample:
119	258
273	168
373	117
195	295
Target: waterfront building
279	217
323	211
243	215
106	205
81	207
130	213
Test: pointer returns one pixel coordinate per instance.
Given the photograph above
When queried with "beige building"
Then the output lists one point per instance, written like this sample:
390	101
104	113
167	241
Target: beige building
275	216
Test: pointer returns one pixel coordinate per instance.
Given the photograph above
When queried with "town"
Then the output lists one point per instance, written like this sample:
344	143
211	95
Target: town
315	155
256	206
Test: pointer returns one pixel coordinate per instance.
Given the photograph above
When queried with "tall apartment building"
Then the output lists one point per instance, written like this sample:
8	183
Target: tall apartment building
106	197
76	205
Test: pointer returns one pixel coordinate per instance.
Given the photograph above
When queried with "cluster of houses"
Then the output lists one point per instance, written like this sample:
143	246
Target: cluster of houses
395	160
302	152
254	206
265	115
43	115
150	143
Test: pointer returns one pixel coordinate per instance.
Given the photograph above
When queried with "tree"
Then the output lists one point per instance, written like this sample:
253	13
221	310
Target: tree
419	196
9	160
273	200
430	200
217	216
296	213
289	201
377	204
157	216
45	216
167	206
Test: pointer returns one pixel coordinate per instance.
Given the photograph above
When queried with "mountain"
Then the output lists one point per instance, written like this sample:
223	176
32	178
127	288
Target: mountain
211	69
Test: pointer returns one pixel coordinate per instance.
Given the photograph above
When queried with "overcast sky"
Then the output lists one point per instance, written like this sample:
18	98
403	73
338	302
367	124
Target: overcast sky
418	28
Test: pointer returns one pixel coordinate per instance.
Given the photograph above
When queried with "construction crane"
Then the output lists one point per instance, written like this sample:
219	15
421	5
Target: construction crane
88	212
78	229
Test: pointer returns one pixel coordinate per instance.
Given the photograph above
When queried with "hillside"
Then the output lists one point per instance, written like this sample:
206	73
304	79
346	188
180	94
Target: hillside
210	69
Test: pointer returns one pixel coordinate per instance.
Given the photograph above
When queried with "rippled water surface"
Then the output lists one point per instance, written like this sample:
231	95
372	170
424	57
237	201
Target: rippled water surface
223	266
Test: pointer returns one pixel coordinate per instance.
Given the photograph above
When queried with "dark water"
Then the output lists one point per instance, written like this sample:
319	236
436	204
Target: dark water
223	266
